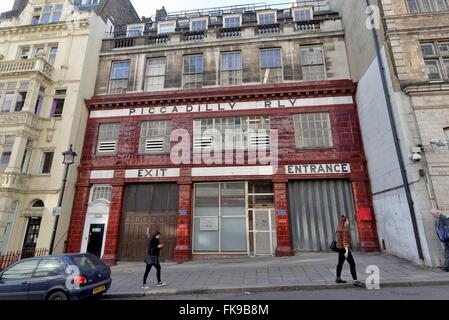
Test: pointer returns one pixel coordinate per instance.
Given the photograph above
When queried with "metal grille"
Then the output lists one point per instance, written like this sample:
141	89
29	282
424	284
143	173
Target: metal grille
315	209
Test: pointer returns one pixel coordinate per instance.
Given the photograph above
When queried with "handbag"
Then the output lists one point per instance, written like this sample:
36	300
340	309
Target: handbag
333	245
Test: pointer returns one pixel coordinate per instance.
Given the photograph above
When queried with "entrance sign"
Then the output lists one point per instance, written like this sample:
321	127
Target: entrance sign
307	169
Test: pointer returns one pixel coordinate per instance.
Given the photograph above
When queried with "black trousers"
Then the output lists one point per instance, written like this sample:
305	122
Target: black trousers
341	261
148	269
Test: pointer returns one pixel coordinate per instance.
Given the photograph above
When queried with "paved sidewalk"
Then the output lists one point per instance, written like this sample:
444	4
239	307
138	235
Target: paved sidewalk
302	272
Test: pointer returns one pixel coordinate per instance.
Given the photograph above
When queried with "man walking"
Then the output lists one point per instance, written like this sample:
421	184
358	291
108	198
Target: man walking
442	227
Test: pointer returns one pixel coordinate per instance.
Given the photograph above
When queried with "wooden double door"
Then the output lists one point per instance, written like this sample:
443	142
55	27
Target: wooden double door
148	207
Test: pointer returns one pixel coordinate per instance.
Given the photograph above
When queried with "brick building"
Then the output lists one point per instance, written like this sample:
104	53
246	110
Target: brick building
278	79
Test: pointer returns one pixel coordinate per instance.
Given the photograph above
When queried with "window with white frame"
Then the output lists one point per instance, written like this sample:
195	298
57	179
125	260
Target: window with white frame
24	53
231	69
193	71
166	27
101	192
135	30
27	157
426	6
155	74
52	52
271	66
155	137
46	162
120	76
6	145
13	96
108	136
312	63
47	14
436	59
313	130
57	107
232	21
239	133
303	14
198	24
266	18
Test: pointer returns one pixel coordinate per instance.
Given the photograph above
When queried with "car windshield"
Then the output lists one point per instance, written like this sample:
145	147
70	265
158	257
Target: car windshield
86	263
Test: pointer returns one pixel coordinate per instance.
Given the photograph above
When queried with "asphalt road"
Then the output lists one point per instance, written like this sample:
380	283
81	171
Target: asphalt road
403	293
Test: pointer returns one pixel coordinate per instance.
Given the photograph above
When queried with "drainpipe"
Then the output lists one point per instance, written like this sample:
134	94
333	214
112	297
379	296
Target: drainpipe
397	144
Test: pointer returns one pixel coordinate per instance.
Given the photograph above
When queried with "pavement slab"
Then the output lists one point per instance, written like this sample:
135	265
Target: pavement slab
306	271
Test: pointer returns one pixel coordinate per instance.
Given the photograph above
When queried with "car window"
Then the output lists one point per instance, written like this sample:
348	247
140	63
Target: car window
50	268
22	270
86	262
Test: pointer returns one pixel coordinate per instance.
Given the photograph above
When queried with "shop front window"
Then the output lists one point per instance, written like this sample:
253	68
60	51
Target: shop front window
220	217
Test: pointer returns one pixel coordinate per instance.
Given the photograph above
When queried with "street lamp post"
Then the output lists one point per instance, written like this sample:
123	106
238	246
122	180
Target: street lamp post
69	159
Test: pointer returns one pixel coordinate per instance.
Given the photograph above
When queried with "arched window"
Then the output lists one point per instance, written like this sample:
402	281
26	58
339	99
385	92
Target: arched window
38	204
101	192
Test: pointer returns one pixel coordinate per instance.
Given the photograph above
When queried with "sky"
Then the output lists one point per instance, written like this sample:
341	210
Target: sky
148	7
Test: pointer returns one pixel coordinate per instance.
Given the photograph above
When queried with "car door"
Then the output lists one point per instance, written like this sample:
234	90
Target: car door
15	281
50	274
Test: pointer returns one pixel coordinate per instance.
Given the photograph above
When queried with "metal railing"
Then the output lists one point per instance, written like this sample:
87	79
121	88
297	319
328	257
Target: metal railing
12	257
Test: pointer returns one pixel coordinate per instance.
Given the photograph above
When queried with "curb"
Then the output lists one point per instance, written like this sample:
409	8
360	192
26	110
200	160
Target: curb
305	287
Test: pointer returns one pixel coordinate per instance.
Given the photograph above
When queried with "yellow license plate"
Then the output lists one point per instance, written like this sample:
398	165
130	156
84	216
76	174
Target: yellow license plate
99	289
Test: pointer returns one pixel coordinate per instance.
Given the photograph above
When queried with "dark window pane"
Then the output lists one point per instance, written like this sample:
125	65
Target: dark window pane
47	162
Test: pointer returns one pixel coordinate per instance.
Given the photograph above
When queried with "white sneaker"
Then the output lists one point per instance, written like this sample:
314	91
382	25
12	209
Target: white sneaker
145	287
161	284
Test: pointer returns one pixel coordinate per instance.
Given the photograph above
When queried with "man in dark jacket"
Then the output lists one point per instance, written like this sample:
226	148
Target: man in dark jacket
152	259
442	220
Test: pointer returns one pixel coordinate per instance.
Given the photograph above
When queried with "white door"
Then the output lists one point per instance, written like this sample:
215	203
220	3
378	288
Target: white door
263	232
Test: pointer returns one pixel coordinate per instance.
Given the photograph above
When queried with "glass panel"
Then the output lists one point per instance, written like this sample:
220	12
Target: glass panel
22	270
50	268
207	199
412	6
444	48
426	6
233	234
433	71
7	102
233	199
427	49
267	18
260	187
205	240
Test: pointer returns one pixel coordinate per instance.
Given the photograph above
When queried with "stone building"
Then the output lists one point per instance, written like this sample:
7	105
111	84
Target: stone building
405	120
49	57
278	79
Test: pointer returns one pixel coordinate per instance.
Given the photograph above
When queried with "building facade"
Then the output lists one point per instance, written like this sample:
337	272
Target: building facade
49	57
404	122
232	131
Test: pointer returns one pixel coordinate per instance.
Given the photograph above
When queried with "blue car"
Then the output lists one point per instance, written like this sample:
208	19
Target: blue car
65	277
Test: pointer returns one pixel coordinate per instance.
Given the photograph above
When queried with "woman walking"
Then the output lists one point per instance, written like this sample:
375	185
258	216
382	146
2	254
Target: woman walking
152	259
344	252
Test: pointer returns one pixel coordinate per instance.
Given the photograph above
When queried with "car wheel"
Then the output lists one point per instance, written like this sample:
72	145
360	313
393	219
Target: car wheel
58	295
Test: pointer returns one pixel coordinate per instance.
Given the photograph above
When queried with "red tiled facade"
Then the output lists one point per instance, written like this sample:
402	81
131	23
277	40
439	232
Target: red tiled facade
347	148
